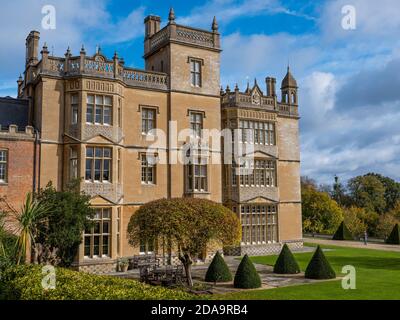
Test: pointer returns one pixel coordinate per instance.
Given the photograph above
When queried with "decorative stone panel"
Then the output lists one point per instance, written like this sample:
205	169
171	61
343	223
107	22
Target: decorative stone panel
109	191
262	249
113	133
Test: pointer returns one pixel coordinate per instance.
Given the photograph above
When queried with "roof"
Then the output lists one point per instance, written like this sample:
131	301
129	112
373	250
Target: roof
14	111
289	80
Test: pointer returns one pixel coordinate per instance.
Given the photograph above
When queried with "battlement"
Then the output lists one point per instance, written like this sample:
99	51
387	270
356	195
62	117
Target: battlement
15	132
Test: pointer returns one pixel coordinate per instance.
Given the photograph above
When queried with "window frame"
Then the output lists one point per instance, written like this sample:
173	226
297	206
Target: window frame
94	106
196	126
146	120
196	74
147	168
73	163
193	179
102	159
4	163
74	108
101	235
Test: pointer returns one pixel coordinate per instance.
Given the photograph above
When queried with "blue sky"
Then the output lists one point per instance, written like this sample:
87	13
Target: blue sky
349	79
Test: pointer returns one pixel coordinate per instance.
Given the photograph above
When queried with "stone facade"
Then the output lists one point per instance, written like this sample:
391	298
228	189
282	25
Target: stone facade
89	112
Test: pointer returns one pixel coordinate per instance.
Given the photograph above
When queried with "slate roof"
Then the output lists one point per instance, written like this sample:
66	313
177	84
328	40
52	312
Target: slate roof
14	111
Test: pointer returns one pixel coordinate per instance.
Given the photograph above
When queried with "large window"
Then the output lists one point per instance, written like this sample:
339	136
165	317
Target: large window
197	175
257	132
74	108
98	164
99	110
3	166
119	231
148	120
148	169
98	237
195	73
260	173
196	123
73	163
259	224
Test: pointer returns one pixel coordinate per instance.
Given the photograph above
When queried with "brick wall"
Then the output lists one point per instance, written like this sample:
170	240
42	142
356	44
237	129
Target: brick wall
20	147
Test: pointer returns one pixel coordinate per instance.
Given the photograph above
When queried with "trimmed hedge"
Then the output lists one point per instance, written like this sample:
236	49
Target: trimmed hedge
286	262
394	237
246	276
319	267
218	270
343	233
25	283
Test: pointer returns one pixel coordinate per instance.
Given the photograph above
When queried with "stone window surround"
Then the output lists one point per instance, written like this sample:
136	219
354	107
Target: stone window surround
93	158
153	167
274	170
101	234
200	61
94	109
140	110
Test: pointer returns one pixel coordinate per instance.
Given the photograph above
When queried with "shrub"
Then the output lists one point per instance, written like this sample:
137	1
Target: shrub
246	276
25	283
319	267
286	263
218	271
394	237
343	233
385	225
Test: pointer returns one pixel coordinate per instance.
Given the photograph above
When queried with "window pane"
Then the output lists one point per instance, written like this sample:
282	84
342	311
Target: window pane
96	245
106	246
90	99
107	115
98	114
107	153
106	170
99	100
97	170
88	174
108	101
2	171
74	115
99	152
89	113
87	247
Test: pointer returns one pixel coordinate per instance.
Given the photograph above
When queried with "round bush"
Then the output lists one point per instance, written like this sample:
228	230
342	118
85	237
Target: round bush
394	237
319	267
286	263
246	276
343	233
218	270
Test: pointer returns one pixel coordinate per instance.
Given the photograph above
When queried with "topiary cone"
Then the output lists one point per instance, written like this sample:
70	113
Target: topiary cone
246	276
394	237
286	263
319	267
343	233
218	270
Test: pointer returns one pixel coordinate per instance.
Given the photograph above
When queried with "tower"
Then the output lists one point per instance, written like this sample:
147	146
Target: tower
190	56
289	89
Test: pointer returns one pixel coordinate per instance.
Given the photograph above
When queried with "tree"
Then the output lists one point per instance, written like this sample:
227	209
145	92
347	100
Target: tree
68	216
342	233
286	262
394	237
392	190
368	192
385	225
246	276
187	224
319	267
339	192
320	212
28	222
353	220
218	270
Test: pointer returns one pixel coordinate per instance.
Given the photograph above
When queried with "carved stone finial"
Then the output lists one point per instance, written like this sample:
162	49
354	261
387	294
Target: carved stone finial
171	16
115	55
236	87
68	53
228	89
83	51
45	49
214	24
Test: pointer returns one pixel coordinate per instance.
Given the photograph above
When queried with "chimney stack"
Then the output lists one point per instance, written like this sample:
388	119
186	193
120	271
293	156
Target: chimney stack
32	48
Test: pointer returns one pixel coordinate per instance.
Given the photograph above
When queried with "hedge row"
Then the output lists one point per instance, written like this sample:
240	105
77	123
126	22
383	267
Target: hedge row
25	283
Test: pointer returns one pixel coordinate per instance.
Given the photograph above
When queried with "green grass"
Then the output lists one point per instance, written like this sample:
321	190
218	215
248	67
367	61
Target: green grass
377	277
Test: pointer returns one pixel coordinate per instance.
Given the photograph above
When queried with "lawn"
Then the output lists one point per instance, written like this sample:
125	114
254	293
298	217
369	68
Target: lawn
378	277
